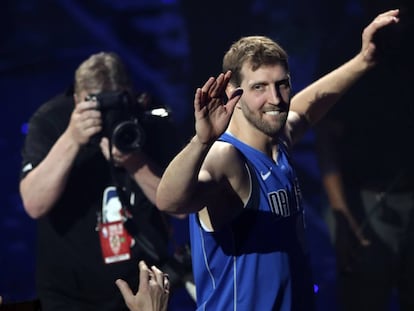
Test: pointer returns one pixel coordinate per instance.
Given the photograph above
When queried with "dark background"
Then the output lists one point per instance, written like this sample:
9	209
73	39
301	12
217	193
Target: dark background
171	47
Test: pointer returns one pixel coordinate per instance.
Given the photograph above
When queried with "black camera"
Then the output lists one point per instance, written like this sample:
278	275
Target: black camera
120	120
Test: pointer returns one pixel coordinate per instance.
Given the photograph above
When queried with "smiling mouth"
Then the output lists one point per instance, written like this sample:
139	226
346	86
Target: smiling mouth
272	112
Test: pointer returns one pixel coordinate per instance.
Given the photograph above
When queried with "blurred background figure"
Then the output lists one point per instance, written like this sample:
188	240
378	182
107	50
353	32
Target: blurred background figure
57	37
367	172
92	161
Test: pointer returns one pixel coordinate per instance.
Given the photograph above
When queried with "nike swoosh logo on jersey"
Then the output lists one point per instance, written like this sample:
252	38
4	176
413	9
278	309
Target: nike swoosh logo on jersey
266	175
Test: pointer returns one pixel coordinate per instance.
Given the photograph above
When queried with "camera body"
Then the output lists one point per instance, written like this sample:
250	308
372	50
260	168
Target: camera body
120	122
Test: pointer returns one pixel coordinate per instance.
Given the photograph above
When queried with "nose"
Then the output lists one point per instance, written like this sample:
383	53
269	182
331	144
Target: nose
274	95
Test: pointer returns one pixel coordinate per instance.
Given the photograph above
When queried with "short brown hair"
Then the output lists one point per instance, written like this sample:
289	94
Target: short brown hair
102	71
258	51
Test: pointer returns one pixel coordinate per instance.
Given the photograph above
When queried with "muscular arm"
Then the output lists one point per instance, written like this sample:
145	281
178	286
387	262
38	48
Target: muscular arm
195	177
218	188
314	101
328	140
333	185
43	186
145	172
177	190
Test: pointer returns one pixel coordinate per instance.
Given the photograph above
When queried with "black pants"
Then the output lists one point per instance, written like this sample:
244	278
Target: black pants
387	264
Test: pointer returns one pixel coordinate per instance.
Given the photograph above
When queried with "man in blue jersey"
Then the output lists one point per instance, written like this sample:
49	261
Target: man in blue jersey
236	178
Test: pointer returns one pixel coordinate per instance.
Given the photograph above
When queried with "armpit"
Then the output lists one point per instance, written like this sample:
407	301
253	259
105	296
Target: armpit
296	126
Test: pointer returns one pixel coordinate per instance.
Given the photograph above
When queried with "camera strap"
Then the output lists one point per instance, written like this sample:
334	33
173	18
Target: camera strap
115	240
123	188
147	237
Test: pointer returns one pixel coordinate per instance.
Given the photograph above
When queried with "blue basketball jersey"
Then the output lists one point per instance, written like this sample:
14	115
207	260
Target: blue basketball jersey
257	262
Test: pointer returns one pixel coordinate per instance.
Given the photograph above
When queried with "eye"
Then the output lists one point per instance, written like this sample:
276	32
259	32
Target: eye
283	85
258	87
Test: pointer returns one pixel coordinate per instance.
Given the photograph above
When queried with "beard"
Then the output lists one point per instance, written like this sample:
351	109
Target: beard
271	129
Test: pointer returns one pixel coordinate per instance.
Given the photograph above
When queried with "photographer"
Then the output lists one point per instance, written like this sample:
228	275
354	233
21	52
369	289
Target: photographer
94	204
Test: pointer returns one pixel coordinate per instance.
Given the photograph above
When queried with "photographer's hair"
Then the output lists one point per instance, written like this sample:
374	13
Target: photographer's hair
257	51
103	71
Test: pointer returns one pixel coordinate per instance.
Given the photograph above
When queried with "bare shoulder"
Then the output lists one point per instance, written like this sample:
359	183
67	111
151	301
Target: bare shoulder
228	168
223	160
229	186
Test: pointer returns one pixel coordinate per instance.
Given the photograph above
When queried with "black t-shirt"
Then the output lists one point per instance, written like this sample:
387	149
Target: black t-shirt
70	267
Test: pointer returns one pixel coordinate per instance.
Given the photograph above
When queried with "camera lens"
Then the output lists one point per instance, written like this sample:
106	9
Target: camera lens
127	136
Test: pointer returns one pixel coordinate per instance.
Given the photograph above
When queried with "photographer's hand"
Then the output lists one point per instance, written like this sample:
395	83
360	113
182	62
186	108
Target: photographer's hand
145	172
85	122
142	169
128	161
42	187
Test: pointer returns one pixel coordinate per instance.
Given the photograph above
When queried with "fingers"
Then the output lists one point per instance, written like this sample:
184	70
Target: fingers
85	122
197	100
88	117
118	158
386	18
152	277
104	144
391	13
144	275
124	289
208	85
361	238
382	20
215	87
161	278
87	105
234	98
153	292
368	45
166	283
217	90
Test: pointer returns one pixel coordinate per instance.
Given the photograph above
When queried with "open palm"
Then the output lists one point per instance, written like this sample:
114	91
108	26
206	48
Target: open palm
212	110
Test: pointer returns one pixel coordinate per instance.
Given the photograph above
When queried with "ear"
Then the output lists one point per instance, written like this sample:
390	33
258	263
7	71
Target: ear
230	89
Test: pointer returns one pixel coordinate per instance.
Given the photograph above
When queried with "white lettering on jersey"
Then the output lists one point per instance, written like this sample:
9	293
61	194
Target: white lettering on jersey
279	203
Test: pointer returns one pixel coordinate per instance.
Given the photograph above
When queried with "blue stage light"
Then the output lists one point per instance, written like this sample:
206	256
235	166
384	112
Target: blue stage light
24	128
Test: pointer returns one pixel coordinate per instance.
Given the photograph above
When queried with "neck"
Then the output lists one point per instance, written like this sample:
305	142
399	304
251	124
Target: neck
253	137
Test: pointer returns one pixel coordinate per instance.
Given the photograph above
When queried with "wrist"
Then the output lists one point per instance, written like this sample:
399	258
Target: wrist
69	141
134	162
196	141
364	62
